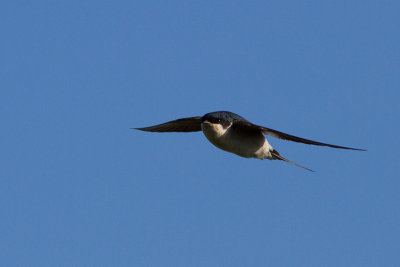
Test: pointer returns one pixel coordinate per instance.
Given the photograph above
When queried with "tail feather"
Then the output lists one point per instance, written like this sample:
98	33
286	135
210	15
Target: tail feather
277	156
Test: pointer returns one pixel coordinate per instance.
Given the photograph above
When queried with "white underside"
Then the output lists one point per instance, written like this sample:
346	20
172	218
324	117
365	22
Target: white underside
243	144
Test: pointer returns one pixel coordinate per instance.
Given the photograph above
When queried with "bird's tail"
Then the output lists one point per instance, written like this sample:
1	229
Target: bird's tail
276	155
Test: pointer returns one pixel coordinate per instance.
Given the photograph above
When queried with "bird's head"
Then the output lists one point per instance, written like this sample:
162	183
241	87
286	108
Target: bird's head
222	118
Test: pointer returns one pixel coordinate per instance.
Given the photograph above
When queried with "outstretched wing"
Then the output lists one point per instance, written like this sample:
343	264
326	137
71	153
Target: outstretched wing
192	124
245	125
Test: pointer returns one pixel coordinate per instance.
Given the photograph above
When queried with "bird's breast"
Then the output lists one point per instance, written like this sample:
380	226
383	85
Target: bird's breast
215	133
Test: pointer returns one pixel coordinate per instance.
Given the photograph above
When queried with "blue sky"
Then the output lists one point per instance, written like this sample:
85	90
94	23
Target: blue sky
80	188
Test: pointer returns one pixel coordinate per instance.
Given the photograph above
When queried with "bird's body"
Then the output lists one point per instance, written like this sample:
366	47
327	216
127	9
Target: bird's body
244	144
231	132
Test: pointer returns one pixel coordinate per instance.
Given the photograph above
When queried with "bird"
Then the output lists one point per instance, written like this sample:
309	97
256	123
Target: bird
233	133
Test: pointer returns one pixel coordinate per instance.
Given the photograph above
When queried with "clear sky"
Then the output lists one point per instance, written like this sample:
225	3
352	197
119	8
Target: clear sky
80	188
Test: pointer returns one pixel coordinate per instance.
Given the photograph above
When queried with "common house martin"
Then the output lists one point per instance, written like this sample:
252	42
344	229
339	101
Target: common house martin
233	133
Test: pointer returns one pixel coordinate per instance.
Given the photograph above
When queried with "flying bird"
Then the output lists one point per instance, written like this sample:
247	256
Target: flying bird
233	133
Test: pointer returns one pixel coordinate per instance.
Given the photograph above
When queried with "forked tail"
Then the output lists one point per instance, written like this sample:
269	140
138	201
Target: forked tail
277	156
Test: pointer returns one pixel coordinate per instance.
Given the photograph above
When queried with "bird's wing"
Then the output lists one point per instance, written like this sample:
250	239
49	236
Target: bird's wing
245	125
192	124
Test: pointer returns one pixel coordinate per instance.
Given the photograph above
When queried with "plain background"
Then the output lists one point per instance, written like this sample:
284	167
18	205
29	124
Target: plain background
80	188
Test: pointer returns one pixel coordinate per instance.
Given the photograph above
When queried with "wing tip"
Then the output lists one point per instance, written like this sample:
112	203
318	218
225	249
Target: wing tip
351	148
146	129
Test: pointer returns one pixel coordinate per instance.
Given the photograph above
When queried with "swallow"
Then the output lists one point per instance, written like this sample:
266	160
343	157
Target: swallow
233	133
